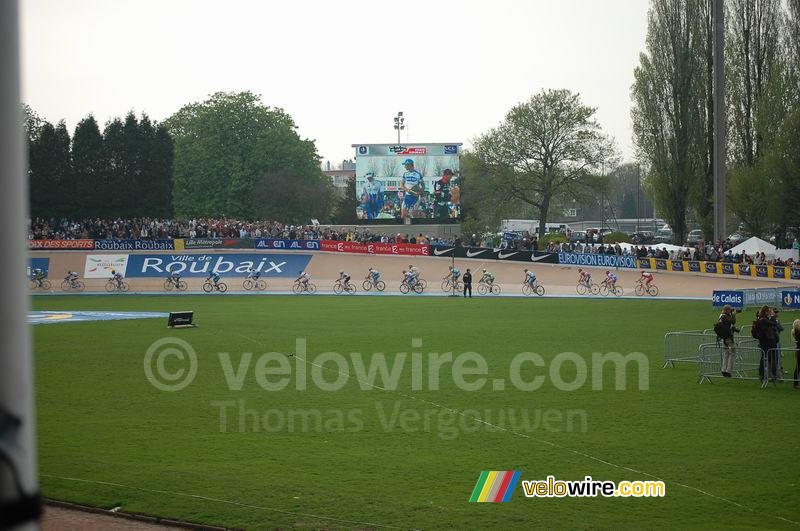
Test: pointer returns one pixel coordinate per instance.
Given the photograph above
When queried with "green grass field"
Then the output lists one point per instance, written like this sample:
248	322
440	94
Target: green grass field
107	437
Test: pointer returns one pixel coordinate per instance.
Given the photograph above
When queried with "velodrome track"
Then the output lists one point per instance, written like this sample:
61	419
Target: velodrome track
324	268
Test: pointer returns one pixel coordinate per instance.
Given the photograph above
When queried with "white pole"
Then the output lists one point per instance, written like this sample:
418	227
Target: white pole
19	488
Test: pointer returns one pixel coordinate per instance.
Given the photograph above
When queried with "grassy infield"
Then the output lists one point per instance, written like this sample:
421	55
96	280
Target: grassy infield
101	420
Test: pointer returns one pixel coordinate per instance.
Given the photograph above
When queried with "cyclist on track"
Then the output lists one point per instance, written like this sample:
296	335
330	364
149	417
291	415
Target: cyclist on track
585	277
373	275
453	274
487	277
116	277
344	278
303	278
214	277
647	277
530	277
252	273
611	279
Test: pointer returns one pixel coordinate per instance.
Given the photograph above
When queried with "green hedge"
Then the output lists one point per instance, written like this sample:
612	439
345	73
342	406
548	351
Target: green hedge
616	237
547	238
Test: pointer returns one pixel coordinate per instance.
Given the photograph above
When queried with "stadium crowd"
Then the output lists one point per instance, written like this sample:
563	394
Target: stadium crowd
165	229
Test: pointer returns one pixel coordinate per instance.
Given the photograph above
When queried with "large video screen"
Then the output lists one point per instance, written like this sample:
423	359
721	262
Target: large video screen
408	181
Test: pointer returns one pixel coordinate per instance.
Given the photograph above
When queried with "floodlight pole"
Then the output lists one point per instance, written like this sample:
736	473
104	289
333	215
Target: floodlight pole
720	182
19	485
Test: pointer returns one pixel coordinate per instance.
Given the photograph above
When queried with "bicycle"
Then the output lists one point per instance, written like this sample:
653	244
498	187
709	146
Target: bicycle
298	287
406	288
606	287
116	285
484	288
209	286
43	283
537	288
584	287
450	284
642	288
339	288
72	285
178	284
368	284
254	283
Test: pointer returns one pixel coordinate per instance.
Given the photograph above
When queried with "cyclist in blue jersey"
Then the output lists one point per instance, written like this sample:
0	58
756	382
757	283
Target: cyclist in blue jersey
530	277
413	187
374	192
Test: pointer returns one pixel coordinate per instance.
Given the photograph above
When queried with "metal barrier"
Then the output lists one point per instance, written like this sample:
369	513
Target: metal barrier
776	371
682	347
747	365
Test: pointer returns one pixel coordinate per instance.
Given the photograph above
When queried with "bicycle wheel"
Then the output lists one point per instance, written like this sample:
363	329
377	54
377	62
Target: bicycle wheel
297	287
65	285
168	285
312	288
595	289
182	285
418	288
247	284
366	285
526	289
446	286
404	288
581	288
424	283
46	284
652	290
618	291
123	287
539	290
207	287
495	289
111	287
482	288
79	285
604	289
639	290
350	288
261	285
32	284
381	285
222	287
337	288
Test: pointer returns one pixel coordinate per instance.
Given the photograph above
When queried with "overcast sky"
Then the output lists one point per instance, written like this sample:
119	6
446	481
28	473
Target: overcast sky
341	68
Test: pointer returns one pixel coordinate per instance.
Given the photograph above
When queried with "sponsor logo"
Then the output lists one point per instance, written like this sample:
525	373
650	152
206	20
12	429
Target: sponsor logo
762	271
661	264
711	267
286	244
363	150
101	265
60	244
535	258
450	149
779	272
734	298
226	264
439	252
727	269
472	254
503	256
791	299
495	486
597	260
403	150
134	245
677	265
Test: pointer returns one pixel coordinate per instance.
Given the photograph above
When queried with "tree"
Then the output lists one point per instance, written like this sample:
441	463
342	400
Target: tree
299	200
226	145
345	211
93	188
546	148
667	104
756	91
50	172
791	51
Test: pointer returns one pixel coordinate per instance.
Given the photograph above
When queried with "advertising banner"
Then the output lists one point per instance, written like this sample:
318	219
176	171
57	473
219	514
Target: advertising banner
597	260
134	245
226	264
791	299
217	243
61	244
734	298
407	249
100	265
484	253
42	264
272	243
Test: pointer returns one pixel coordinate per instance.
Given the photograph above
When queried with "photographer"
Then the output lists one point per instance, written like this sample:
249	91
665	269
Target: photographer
725	328
767	339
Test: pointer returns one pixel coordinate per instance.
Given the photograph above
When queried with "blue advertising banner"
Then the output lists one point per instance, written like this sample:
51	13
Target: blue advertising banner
727	269
791	299
795	273
711	267
597	260
201	265
644	263
271	243
39	263
762	271
694	267
661	264
734	298
134	245
677	265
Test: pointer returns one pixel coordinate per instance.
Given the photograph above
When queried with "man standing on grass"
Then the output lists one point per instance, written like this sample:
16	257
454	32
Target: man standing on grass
467	283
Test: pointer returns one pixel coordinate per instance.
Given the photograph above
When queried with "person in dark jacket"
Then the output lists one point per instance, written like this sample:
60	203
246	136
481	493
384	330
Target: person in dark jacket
796	338
728	318
767	340
467	283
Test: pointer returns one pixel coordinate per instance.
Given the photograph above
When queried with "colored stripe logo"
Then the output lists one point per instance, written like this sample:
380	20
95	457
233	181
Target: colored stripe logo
494	486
